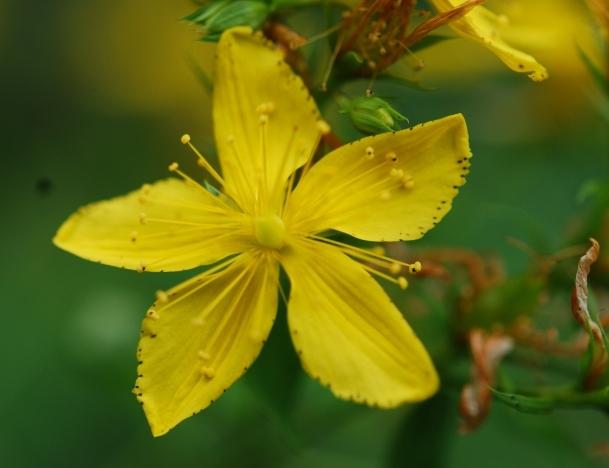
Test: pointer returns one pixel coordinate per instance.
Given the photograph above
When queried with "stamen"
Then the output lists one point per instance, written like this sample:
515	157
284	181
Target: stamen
335	52
407	182
266	108
278	184
201	161
143	218
400	281
391	156
152	314
208	372
162	297
323	127
203	355
367	254
321	35
370	153
191	223
397	173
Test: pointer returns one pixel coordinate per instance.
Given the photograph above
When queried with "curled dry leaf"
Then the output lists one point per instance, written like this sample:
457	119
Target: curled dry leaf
579	306
487	351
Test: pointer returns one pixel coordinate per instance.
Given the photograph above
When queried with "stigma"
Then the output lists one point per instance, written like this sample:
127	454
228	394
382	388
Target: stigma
269	231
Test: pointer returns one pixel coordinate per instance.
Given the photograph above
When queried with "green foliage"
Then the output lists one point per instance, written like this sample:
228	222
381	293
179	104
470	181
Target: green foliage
219	15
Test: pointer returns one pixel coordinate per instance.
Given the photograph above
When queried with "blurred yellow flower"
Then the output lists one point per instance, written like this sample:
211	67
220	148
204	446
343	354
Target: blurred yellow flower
484	26
201	336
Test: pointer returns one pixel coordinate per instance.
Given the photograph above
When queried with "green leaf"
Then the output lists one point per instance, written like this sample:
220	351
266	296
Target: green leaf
525	404
201	75
597	74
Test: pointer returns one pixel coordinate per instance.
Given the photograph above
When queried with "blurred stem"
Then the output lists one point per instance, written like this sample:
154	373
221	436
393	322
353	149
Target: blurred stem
568	398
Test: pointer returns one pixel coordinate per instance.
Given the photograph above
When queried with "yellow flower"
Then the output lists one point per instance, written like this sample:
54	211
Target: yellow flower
201	336
484	26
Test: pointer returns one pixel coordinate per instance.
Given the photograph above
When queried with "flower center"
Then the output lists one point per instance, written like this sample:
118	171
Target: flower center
269	231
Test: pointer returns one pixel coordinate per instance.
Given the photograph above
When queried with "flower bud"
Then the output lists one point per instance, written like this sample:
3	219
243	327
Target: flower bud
372	114
216	17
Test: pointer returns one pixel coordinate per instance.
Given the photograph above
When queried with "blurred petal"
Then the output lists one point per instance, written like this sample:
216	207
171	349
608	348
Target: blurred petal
252	79
166	226
385	187
482	25
348	333
205	335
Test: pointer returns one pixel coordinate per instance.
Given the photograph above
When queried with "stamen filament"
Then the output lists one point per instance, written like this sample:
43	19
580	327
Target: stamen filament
410	266
400	280
201	159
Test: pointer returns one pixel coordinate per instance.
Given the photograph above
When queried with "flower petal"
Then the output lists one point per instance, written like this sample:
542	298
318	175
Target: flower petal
167	226
482	25
386	187
252	79
348	333
205	335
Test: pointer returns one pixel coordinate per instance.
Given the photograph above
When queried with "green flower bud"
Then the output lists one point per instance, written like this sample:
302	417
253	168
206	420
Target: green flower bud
372	114
220	15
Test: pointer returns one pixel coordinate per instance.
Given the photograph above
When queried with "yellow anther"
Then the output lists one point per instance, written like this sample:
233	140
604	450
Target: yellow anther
391	156
185	139
266	108
143	218
395	268
369	152
382	51
397	173
415	267
378	250
323	127
173	167
162	297
203	355
372	64
402	282
385	195
264	118
208	372
407	182
133	236
144	192
152	314
198	321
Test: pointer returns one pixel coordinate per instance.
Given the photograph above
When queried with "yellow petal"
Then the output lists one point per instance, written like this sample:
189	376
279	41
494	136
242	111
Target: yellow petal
253	82
348	334
385	187
201	337
483	26
166	226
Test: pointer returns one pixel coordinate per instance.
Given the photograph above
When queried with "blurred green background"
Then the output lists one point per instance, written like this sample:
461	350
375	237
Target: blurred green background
94	95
